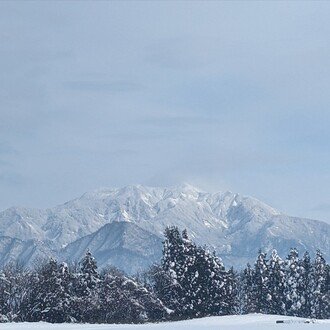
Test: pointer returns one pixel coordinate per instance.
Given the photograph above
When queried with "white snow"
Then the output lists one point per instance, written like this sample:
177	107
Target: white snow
236	322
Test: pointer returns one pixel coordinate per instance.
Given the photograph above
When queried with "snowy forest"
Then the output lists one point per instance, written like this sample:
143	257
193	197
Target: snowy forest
189	282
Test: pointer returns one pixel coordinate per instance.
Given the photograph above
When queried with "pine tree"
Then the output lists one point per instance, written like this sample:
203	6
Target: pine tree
327	292
221	287
261	294
17	286
320	302
4	298
122	300
65	293
293	285
48	298
306	286
89	274
156	279
207	284
86	285
174	264
248	303
195	279
232	292
275	284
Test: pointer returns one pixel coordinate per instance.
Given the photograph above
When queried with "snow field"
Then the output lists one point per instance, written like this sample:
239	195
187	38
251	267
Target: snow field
232	322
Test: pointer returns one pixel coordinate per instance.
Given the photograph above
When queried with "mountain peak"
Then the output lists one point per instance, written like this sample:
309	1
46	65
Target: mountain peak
188	188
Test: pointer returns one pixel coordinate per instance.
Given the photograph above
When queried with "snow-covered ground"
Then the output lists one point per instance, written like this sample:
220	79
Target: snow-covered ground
237	322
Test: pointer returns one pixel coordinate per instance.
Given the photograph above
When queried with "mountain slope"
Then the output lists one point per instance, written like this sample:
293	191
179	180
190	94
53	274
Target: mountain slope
121	244
13	250
235	226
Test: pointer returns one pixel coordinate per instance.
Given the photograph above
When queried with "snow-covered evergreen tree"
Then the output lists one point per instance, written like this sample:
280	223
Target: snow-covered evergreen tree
208	291
293	285
86	288
122	300
17	286
48	298
275	285
156	279
175	265
66	292
4	297
320	302
195	278
327	292
89	273
306	286
261	295
232	292
248	303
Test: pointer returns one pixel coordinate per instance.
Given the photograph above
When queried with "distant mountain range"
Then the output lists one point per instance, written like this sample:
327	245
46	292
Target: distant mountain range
124	227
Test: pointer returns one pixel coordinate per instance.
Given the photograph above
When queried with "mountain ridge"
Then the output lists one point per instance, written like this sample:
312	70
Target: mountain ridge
233	225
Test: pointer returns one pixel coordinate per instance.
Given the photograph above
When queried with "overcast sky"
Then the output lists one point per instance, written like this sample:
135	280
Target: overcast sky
222	95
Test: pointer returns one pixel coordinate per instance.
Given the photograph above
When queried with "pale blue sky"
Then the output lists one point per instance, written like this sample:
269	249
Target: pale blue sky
223	95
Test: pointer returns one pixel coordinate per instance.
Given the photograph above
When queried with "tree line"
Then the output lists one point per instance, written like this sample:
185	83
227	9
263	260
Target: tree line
190	281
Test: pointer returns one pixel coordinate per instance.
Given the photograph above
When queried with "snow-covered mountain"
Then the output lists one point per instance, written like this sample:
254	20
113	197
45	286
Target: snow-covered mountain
14	250
124	226
122	244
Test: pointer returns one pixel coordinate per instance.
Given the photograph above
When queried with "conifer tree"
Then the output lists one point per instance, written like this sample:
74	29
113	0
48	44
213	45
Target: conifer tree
320	302
248	303
17	286
261	294
275	285
122	300
196	278
47	300
87	283
327	292
4	297
208	293
293	285
89	274
306	286
232	292
174	266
